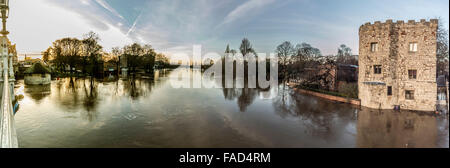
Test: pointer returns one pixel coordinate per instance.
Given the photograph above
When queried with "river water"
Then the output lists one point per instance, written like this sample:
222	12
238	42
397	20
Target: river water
152	113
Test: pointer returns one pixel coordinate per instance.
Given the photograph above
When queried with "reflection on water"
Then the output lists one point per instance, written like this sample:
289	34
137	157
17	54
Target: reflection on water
387	129
243	96
320	119
38	92
151	113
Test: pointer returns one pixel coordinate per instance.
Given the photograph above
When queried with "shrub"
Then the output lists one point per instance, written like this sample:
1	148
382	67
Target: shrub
349	89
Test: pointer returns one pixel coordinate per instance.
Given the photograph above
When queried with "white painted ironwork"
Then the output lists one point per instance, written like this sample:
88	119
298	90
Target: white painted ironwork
8	132
8	136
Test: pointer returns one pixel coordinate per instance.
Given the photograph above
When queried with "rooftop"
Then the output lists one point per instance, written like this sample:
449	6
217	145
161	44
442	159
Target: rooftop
37	68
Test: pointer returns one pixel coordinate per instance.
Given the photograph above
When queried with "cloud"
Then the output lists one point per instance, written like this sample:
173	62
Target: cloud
85	2
34	25
94	14
173	26
109	8
245	9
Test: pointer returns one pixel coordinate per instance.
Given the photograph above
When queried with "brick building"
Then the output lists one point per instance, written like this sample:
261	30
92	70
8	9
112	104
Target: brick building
397	65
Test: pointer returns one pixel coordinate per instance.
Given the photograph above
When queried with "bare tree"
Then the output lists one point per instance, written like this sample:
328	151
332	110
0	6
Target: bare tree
132	55
321	73
57	57
246	47
149	56
91	52
284	53
442	49
47	54
344	55
305	52
327	73
116	53
70	51
233	52
137	55
303	58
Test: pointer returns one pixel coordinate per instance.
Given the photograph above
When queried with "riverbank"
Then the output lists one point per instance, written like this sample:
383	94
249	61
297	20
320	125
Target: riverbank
86	75
336	98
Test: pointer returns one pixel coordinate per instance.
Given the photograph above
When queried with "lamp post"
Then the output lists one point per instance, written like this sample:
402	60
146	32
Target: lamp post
7	68
4	7
4	10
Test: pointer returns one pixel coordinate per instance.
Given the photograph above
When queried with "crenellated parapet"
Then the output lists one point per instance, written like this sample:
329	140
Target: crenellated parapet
377	25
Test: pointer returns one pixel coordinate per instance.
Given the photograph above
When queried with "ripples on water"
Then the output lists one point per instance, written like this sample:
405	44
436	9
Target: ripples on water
151	113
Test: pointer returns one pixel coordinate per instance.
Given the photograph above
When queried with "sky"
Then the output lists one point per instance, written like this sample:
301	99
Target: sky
172	26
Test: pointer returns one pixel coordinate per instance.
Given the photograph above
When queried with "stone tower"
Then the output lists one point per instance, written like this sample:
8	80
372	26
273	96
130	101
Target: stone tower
397	64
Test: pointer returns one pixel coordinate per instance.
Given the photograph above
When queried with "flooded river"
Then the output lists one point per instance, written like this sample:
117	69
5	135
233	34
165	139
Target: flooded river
152	113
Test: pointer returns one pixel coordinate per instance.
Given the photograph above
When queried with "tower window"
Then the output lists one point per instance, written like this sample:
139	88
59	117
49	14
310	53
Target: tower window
373	47
412	74
413	47
409	94
389	90
377	69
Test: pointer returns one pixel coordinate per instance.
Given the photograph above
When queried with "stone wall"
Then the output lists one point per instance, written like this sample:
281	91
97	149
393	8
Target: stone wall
395	58
37	79
329	97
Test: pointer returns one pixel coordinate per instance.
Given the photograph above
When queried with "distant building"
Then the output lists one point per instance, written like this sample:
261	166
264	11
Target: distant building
23	65
336	75
347	73
397	65
37	74
123	65
110	68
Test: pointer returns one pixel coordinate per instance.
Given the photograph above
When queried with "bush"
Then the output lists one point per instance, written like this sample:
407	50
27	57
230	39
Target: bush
349	89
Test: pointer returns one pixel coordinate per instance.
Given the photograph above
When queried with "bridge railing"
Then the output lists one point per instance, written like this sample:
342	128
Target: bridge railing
8	136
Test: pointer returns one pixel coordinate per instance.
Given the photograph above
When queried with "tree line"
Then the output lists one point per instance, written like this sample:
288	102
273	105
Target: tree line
86	56
295	61
303	61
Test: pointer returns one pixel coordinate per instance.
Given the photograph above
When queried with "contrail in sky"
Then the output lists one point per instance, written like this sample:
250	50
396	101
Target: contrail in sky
134	24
